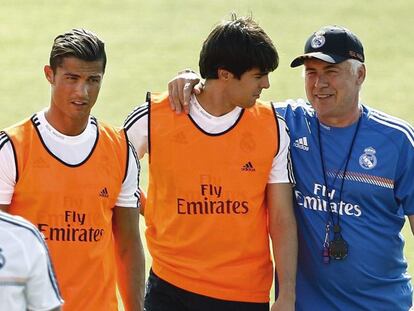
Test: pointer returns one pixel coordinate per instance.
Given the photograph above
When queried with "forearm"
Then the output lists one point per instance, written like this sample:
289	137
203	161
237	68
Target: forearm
131	276
130	258
283	232
285	249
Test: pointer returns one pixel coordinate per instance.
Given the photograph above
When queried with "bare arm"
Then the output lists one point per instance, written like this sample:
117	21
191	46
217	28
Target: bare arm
4	207
180	89
283	232
130	257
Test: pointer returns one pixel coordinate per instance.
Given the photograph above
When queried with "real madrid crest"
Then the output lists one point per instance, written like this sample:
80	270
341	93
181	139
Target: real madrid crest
2	260
318	40
368	160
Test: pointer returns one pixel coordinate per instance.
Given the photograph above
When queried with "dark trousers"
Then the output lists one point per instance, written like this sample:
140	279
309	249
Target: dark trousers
163	296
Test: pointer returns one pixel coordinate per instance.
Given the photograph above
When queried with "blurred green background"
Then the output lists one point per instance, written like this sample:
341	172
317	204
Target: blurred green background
147	42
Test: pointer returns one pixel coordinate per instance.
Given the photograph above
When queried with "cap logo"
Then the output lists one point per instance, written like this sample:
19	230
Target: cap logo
317	41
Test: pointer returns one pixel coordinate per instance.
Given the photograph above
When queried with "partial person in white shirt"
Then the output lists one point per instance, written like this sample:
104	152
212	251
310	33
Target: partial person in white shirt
27	279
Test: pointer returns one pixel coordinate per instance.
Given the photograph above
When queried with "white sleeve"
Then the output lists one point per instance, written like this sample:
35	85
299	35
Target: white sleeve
136	127
130	194
7	171
42	291
281	171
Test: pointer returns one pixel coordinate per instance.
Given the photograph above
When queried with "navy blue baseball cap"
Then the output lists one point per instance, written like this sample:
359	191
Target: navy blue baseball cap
332	44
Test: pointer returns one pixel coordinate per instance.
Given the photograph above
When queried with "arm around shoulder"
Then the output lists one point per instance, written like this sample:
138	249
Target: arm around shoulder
180	89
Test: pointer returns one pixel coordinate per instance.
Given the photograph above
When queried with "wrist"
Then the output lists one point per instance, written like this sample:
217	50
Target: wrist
187	70
287	293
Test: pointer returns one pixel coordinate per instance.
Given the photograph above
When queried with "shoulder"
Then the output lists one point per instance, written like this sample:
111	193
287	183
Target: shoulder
398	130
4	139
138	116
264	112
19	129
114	133
21	229
293	108
261	108
295	114
7	152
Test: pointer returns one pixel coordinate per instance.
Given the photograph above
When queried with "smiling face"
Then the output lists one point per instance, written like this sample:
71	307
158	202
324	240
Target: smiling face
75	88
333	90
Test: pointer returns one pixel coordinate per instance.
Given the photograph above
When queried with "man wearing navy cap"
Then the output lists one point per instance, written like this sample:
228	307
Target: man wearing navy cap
353	167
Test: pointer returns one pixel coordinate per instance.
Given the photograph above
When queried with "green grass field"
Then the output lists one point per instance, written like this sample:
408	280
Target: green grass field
147	42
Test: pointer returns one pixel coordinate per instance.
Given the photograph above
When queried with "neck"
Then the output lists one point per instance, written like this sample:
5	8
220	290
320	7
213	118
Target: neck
213	99
66	125
342	121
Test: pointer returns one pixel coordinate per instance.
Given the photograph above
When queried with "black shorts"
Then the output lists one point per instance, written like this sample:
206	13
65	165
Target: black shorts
163	296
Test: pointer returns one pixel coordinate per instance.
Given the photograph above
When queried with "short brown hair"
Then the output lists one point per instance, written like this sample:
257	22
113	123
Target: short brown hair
79	43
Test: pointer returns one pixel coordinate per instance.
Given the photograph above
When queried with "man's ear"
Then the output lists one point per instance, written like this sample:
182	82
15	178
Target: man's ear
362	72
224	74
50	76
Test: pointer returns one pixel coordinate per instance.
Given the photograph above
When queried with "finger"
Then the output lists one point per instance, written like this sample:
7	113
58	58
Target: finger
181	86
198	88
170	97
177	103
180	89
174	96
187	91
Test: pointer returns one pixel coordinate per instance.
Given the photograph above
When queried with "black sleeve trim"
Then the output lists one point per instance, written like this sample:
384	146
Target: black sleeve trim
14	152
277	129
127	155
148	99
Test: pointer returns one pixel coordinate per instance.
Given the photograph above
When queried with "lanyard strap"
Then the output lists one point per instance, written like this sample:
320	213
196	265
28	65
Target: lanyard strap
344	172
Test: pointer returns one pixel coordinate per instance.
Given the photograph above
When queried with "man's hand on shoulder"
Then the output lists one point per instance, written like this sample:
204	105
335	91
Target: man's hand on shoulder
180	89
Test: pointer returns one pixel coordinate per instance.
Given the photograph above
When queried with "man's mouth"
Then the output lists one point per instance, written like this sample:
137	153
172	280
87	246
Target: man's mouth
79	102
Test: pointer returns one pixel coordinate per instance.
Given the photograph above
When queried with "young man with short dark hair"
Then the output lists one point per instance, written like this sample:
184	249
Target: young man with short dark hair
77	180
219	184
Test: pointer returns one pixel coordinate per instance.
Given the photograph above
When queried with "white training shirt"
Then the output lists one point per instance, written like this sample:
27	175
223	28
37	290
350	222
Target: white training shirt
69	149
136	126
27	280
